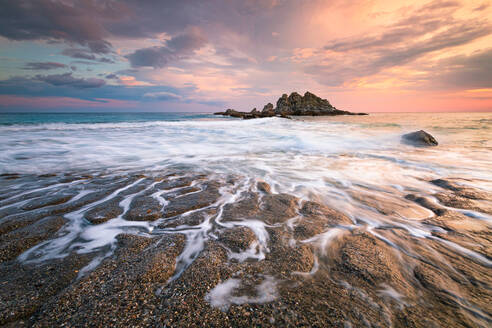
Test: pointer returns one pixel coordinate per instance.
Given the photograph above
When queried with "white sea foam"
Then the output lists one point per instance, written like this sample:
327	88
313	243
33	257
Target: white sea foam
221	296
390	292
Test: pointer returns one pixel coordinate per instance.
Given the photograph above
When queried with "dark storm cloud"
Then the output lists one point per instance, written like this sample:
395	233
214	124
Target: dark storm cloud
68	80
43	65
180	46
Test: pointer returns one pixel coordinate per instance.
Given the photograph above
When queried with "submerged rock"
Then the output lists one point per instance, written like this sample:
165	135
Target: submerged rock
419	138
293	105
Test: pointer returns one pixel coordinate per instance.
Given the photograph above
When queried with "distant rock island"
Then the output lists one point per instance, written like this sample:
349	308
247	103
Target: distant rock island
293	105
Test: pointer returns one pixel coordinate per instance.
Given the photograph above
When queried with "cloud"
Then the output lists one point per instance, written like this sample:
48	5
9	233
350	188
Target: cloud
482	7
178	47
100	46
162	95
112	76
91	23
423	21
43	65
81	21
68	80
466	72
229	49
132	81
79	53
411	38
456	35
22	87
439	5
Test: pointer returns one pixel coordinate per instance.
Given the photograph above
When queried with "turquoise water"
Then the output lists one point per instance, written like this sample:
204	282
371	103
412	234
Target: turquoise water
80	118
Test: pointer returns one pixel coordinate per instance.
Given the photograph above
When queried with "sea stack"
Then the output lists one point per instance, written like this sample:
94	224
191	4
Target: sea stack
292	105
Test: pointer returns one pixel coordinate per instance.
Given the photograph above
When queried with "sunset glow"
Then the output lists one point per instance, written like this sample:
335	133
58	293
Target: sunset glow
371	56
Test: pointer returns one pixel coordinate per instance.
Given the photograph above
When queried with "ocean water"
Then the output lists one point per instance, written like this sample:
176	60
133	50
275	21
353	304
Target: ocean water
365	148
308	157
333	160
355	164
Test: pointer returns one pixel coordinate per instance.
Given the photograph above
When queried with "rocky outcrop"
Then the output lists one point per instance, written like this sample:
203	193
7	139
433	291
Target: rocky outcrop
233	252
419	138
293	105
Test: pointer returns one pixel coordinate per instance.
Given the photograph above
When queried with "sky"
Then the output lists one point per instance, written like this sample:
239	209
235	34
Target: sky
205	56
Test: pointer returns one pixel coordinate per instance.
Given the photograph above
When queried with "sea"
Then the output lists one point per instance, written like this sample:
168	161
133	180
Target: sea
356	165
298	154
327	159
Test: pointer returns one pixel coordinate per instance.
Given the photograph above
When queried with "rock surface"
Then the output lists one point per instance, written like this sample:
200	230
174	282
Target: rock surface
232	252
292	105
419	138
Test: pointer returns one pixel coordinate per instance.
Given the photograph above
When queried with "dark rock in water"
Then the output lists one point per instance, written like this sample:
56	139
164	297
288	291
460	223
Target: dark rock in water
419	138
15	242
104	212
144	208
263	186
192	201
310	104
268	110
233	113
462	191
425	202
48	201
10	176
293	105
122	287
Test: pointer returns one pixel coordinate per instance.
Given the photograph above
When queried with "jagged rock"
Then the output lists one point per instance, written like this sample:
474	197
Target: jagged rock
263	186
293	105
310	104
419	138
268	110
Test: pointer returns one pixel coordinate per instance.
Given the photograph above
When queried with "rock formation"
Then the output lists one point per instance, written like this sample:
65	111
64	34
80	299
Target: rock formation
419	138
293	105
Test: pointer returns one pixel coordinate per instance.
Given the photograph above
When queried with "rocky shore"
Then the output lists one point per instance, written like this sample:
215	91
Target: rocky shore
200	250
292	105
